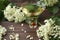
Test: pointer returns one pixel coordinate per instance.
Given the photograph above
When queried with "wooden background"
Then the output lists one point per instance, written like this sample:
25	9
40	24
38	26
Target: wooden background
46	14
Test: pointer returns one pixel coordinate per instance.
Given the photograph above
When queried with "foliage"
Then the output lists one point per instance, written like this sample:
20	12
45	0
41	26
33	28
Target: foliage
57	19
3	4
1	15
54	9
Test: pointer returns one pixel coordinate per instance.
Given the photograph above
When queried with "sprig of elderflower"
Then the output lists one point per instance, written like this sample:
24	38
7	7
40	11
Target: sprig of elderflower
47	2
14	14
48	29
2	31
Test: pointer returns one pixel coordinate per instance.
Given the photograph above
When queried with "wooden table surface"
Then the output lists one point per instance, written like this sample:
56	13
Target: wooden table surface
18	29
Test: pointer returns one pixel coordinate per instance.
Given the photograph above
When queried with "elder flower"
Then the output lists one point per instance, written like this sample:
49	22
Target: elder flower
2	31
14	14
47	2
48	29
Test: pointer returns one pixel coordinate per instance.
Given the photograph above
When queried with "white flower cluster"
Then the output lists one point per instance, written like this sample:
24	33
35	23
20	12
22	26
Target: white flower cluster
2	31
47	2
41	4
14	14
14	36
48	29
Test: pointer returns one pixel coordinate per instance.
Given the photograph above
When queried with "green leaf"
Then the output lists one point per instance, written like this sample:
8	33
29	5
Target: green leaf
53	9
3	4
1	15
58	4
57	20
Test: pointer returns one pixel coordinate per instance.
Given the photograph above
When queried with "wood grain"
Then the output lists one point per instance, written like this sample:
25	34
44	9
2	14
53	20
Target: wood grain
18	30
